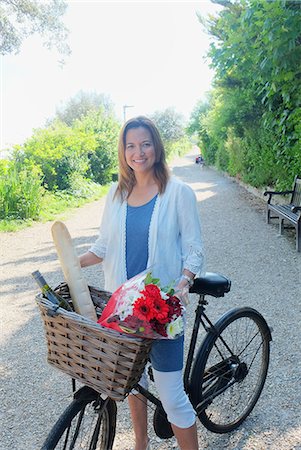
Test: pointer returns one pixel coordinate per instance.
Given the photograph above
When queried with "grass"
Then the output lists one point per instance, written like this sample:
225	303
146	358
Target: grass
15	224
54	206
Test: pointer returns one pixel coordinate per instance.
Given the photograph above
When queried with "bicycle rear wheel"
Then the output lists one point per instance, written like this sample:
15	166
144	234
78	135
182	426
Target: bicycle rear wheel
87	423
230	370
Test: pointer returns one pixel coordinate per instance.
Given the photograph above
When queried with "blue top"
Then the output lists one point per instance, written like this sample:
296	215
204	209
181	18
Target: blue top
137	229
166	355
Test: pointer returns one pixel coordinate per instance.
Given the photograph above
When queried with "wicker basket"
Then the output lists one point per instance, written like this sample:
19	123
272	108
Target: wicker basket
107	361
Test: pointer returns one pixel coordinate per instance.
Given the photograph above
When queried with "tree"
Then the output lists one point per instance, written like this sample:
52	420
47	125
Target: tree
170	124
171	127
82	104
103	160
22	18
254	118
199	110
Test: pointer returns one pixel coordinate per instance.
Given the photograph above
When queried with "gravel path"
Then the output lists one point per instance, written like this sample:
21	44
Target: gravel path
266	274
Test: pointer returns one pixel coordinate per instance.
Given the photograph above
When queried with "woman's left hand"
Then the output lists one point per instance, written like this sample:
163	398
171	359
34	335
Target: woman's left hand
184	285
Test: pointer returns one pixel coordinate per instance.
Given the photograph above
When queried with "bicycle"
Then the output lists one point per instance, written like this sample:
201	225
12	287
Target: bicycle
223	378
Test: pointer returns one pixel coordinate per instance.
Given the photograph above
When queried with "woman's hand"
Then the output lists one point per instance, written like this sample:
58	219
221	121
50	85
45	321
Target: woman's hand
89	259
184	284
186	279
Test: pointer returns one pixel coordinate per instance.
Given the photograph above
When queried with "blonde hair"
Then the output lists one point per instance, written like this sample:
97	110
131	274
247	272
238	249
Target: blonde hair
126	179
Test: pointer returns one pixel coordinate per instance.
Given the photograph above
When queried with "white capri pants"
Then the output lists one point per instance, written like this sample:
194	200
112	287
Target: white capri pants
174	399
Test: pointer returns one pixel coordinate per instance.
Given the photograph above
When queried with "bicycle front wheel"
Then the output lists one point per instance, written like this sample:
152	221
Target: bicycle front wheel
230	370
87	423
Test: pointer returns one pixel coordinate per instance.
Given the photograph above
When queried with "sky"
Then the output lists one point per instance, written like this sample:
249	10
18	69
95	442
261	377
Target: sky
147	55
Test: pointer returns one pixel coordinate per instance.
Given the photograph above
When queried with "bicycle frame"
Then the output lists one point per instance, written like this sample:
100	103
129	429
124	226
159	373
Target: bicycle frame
211	368
200	319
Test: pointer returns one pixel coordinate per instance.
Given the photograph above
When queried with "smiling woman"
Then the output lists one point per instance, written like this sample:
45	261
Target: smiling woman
151	220
142	167
139	150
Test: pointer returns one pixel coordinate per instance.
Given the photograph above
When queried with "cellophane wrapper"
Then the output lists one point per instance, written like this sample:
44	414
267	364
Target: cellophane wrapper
142	307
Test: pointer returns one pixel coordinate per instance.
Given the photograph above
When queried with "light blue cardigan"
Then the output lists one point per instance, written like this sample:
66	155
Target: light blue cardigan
175	240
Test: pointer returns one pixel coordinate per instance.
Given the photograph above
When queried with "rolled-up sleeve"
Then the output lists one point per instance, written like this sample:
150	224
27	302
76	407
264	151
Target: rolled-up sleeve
190	229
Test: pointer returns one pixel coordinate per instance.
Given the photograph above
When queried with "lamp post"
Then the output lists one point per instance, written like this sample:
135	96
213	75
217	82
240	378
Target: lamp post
124	110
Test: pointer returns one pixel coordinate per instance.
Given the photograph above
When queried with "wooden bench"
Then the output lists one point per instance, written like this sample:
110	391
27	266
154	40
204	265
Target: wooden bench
290	212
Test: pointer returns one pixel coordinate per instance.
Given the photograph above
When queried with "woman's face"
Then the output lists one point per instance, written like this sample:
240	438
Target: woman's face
139	150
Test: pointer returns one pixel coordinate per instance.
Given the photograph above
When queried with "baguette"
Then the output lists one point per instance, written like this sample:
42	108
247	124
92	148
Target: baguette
69	260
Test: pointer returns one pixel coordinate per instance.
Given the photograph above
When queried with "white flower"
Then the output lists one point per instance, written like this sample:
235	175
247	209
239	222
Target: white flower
124	304
175	328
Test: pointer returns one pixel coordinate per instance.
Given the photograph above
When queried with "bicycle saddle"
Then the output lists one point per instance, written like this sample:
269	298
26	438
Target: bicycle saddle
213	284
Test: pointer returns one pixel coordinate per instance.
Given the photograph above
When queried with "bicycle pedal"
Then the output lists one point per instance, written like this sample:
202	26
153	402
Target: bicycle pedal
161	425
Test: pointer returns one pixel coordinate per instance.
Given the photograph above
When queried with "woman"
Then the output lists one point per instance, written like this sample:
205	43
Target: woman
151	218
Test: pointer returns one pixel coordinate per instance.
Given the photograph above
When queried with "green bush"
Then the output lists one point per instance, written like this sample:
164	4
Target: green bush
71	162
20	192
254	116
222	157
103	160
259	159
54	204
234	147
80	187
59	151
177	148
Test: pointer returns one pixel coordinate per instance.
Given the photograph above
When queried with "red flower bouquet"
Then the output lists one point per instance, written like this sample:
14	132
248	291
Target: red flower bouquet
142	308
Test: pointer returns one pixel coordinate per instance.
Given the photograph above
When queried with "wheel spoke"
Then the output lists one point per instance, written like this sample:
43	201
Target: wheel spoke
95	434
81	430
77	428
232	376
87	424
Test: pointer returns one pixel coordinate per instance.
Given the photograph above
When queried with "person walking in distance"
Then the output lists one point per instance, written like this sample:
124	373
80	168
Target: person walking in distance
151	217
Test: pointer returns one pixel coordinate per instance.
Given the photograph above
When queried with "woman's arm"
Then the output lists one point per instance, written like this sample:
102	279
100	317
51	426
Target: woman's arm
97	252
89	259
190	231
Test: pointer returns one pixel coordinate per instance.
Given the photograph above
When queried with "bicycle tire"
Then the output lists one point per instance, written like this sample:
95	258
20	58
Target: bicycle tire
225	387
83	426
